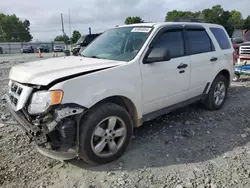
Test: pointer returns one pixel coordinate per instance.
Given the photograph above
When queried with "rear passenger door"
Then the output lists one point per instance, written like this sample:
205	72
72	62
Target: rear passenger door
223	47
202	55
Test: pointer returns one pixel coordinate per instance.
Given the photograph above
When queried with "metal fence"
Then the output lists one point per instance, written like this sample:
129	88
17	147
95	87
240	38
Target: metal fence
15	47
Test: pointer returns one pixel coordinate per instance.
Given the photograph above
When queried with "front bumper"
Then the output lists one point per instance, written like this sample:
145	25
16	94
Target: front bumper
34	133
40	136
58	155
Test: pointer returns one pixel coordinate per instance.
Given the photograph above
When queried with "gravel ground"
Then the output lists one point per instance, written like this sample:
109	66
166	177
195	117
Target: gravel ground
189	148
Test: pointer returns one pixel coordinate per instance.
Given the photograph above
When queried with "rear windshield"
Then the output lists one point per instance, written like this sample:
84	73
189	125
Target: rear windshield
221	37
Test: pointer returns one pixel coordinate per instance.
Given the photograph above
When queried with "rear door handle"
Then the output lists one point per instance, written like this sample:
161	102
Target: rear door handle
182	66
213	59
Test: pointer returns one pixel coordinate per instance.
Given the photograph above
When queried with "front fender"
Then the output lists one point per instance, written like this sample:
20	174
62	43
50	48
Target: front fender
89	89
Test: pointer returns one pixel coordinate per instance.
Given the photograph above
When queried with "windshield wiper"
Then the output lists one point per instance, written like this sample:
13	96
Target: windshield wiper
93	56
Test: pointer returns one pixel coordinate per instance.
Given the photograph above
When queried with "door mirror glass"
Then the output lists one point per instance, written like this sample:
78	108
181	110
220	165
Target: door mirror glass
157	55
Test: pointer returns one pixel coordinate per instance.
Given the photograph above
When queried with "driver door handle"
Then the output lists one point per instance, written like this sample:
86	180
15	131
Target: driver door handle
182	66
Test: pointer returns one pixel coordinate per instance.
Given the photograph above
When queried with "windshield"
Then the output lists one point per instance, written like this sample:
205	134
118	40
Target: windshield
58	46
120	44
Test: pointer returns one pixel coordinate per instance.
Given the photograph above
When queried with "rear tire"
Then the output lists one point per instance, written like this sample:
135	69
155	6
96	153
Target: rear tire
217	94
105	132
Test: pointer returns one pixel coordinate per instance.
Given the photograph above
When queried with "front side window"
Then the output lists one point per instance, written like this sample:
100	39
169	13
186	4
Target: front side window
120	44
172	41
198	41
221	38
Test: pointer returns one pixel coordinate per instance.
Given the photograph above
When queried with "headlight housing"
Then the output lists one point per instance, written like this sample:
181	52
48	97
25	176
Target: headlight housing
42	100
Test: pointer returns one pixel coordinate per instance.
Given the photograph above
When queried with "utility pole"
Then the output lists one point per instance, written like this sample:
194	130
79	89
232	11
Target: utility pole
64	35
62	24
70	30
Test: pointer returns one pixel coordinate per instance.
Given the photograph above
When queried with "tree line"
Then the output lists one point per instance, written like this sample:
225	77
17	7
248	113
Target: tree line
12	29
229	19
73	39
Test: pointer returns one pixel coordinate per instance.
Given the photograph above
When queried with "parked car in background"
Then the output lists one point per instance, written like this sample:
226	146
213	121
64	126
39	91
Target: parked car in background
27	49
58	48
43	48
83	42
239	37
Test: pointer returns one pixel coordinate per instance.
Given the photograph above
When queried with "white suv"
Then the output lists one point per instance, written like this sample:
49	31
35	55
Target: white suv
87	106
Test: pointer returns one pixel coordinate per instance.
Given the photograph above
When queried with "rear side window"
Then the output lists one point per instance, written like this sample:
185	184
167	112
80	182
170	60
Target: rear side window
199	42
221	38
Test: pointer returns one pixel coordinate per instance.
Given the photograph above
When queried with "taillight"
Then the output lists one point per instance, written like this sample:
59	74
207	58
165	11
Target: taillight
235	56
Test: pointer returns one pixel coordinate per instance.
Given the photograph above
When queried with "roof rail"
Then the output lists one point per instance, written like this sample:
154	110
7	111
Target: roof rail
188	20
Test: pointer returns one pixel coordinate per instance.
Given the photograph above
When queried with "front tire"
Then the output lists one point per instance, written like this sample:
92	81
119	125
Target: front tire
105	132
217	94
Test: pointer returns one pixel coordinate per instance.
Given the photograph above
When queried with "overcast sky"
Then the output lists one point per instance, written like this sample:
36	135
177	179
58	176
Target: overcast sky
45	18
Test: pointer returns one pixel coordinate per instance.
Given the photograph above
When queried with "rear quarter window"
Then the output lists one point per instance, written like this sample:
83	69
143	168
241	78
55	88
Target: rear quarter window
221	37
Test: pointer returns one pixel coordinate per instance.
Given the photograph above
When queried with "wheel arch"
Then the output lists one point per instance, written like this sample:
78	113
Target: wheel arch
225	73
126	103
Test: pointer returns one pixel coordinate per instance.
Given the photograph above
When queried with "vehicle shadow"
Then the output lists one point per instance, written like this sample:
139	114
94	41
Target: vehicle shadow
188	135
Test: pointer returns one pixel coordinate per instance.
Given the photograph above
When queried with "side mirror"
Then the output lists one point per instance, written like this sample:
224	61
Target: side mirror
157	55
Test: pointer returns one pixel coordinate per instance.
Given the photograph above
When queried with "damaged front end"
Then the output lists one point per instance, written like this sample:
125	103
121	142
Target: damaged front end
51	125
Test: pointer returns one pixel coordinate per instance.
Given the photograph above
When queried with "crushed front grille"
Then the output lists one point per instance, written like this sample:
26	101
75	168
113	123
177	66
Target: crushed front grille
18	95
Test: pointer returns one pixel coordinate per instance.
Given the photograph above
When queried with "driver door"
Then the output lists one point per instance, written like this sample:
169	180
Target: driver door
165	83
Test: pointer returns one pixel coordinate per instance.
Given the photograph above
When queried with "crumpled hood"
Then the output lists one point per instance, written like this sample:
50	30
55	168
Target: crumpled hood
45	71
